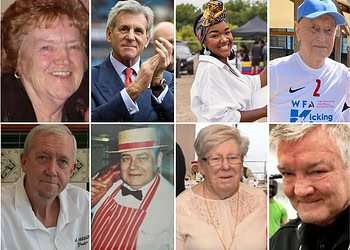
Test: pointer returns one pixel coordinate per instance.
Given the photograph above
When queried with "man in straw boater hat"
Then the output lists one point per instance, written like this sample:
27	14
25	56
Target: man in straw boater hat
136	212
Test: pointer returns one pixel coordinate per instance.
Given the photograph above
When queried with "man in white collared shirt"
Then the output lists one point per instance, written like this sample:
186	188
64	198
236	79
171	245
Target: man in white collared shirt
43	211
135	212
144	94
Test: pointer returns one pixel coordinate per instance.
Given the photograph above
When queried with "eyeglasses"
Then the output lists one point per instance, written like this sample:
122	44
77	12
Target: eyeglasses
218	160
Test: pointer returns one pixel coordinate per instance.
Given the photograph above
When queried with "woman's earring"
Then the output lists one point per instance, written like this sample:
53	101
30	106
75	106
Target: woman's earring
206	52
16	75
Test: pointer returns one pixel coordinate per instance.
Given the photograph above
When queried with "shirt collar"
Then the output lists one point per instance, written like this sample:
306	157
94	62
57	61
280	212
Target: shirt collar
119	67
24	208
212	59
301	62
68	209
217	62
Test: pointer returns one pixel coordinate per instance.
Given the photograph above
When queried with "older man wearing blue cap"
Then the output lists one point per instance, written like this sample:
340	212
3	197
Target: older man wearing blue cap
307	86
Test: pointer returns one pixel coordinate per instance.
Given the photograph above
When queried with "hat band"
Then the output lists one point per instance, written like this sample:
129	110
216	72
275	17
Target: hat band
132	145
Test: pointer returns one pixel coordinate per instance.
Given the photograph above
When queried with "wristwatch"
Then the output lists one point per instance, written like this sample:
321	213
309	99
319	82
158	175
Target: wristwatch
159	87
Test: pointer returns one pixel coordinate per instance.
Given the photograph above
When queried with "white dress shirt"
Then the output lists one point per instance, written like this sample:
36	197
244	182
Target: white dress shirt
21	229
217	95
157	230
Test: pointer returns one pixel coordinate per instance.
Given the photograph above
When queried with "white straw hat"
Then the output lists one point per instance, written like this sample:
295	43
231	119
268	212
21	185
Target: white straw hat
137	139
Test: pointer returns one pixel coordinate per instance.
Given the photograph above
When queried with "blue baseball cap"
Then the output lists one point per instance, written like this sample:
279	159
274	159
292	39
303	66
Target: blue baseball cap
314	8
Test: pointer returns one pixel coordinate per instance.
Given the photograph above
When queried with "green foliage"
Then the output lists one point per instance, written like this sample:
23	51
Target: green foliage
185	15
186	34
238	12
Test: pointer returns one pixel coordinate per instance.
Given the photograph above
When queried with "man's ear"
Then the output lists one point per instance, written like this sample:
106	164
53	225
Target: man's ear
109	34
72	169
297	31
159	159
24	160
149	38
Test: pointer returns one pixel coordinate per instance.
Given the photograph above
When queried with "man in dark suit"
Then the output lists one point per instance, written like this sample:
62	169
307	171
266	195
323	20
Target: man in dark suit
123	88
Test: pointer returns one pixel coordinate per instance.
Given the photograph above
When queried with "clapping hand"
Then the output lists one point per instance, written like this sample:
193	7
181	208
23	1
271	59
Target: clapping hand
144	77
165	51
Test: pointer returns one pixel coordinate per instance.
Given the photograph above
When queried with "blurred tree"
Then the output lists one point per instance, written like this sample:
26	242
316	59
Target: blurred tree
185	15
238	12
186	34
262	10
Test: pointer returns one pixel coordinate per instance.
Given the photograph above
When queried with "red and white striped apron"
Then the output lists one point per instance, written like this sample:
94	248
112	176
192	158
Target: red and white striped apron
116	226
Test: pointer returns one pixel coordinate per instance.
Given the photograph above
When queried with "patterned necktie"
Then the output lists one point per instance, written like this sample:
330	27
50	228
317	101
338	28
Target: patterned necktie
128	74
137	193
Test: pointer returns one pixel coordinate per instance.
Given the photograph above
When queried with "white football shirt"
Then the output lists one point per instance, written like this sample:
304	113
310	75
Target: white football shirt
299	93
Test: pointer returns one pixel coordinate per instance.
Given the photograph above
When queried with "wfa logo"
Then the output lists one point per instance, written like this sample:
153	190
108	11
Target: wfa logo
303	104
305	113
294	114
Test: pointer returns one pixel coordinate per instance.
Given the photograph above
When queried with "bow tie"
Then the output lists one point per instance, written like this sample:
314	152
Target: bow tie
137	193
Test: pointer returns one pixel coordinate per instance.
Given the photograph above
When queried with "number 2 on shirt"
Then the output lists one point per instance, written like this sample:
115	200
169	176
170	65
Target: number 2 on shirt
318	85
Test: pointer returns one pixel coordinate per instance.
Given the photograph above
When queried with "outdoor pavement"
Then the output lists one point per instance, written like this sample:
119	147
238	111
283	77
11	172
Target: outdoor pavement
183	99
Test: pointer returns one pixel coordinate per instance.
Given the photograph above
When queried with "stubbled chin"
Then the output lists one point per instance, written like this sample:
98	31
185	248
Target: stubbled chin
312	212
314	218
321	52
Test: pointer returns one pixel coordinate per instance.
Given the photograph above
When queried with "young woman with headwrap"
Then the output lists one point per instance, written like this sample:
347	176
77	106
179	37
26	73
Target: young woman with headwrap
220	93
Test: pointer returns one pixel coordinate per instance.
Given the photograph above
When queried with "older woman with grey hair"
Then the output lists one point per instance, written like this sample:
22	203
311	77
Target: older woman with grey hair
221	212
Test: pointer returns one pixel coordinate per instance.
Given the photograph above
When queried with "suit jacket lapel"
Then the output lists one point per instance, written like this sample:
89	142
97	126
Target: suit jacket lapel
109	81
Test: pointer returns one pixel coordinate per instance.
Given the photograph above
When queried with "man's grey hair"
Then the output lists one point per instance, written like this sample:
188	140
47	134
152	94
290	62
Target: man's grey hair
214	135
294	132
130	6
55	129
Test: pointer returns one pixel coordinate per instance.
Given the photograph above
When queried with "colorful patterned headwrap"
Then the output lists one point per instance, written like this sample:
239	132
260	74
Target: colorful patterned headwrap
213	14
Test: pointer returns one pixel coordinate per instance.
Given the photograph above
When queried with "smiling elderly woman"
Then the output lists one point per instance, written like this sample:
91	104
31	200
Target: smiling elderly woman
220	93
43	57
221	212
